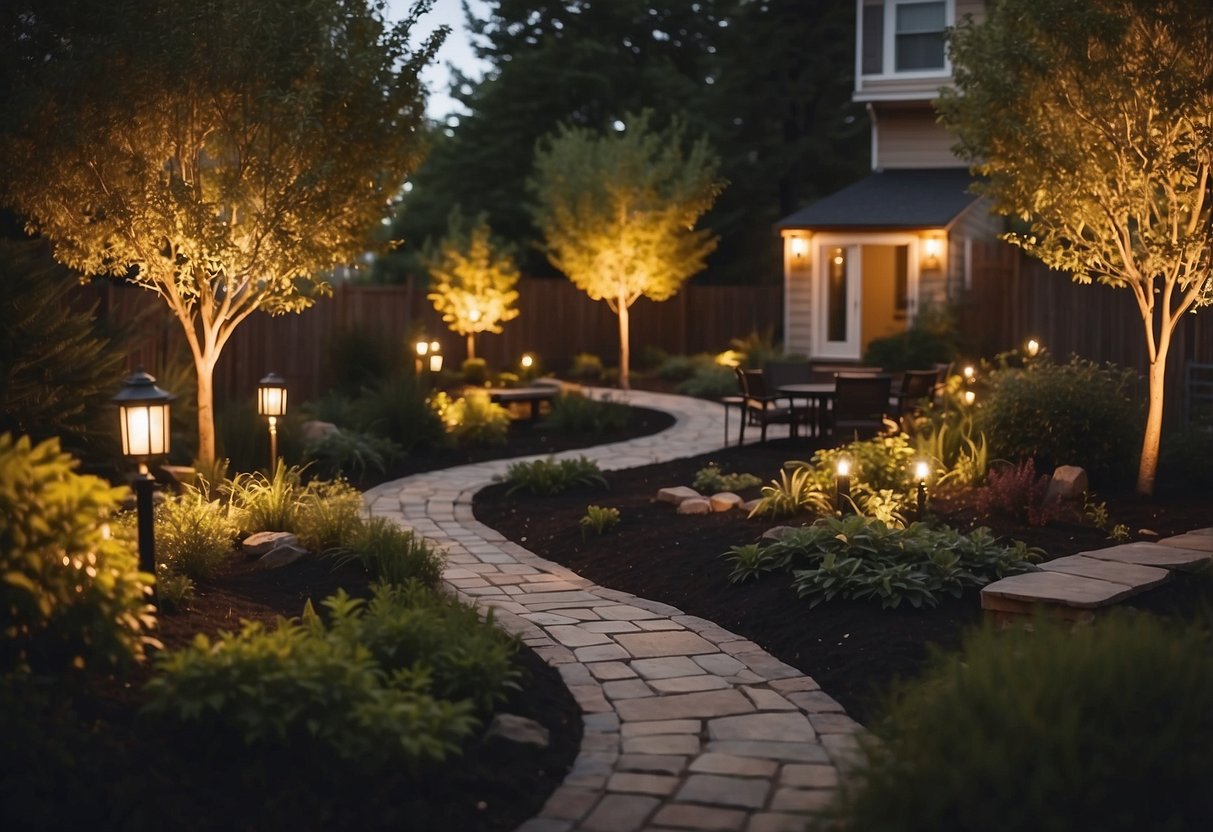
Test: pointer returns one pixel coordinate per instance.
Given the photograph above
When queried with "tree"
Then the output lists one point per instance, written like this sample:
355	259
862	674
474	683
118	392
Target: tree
219	153
473	279
1092	121
618	212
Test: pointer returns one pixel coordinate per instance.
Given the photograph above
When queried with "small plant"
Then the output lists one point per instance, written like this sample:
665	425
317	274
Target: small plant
710	479
329	515
709	381
173	592
599	519
546	477
576	413
752	561
682	367
390	553
396	409
475	419
475	371
1096	513
193	534
758	347
586	367
267	504
796	491
1017	492
351	453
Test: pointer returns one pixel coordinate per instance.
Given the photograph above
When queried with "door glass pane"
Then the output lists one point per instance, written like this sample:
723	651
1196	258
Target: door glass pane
836	295
901	280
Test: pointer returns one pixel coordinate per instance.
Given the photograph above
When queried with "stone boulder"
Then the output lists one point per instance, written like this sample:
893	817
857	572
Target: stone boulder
262	543
1069	482
315	430
677	495
519	729
281	556
695	505
724	501
749	505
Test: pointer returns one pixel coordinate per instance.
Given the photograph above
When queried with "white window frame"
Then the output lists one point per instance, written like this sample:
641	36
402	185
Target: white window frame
889	54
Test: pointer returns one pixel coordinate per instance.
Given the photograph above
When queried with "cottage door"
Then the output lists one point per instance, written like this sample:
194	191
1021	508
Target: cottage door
837	322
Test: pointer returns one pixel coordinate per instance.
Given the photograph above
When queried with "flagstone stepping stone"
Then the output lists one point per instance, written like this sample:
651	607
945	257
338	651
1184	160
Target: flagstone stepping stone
1020	593
1129	574
725	501
1201	541
677	495
1151	554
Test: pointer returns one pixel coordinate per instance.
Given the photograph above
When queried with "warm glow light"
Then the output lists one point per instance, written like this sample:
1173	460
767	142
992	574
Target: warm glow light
844	467
1033	347
970	397
800	247
969	372
271	396
435	346
933	247
921	470
423	347
838	259
474	315
528	361
143	414
436	362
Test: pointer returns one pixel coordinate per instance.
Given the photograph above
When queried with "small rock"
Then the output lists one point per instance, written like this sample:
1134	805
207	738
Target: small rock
724	501
777	533
262	543
315	430
518	729
695	505
749	505
281	556
677	495
1069	482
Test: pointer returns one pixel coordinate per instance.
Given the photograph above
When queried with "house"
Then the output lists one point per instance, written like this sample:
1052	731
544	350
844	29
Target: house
860	263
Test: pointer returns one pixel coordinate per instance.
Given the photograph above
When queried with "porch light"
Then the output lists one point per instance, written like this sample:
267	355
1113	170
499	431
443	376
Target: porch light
800	247
271	402
932	250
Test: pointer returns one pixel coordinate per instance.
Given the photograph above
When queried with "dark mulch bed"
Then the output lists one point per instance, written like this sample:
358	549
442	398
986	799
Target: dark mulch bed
855	650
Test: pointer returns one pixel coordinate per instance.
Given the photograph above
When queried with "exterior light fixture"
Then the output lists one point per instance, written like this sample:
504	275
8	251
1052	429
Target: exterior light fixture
970	397
843	493
1032	347
271	402
932	250
799	247
527	361
435	352
969	373
143	413
921	471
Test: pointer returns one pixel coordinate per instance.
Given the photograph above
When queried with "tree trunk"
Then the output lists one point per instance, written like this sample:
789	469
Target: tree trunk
624	381
471	345
1147	469
204	368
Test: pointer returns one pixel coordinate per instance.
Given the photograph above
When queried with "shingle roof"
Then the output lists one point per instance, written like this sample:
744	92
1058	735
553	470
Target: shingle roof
915	198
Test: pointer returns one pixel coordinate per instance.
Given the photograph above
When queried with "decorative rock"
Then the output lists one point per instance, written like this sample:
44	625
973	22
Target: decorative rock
315	430
281	556
724	501
518	729
1069	482
777	533
749	505
262	543
677	495
695	505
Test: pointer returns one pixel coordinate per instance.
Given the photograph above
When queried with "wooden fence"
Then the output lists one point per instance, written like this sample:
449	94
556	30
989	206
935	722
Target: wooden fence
556	320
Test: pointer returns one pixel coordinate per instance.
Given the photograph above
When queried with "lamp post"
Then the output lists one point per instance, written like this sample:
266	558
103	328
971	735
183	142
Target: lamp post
271	402
143	413
435	351
843	495
921	471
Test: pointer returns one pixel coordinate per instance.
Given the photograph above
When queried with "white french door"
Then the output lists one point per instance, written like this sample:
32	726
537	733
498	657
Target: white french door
836	324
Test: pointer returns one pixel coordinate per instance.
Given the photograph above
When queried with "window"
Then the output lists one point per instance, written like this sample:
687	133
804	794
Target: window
918	42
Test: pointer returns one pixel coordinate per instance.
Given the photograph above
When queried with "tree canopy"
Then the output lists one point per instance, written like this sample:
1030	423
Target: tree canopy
1092	121
618	211
221	153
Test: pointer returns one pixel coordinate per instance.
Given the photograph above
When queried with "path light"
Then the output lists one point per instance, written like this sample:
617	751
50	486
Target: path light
527	361
921	471
970	397
422	347
271	402
143	413
969	373
435	357
843	496
1032	347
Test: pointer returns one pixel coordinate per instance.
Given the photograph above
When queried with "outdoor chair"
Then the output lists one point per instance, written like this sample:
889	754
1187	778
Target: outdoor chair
916	385
860	403
761	405
823	373
780	372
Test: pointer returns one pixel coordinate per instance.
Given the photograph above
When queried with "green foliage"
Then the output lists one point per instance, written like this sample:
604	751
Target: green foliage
1061	728
390	553
475	419
945	435
863	558
305	685
797	490
650	357
1096	513
472	278
355	358
193	534
1185	455
617	211
1078	413
586	367
930	340
1016	491
710	381
710	480
328	514
757	348
350	453
599	519
752	560
266	504
173	591
58	369
683	367
397	409
71	595
546	477
574	412
474	371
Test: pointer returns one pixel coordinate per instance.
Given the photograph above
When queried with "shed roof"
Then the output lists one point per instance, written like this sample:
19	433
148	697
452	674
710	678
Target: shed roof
908	198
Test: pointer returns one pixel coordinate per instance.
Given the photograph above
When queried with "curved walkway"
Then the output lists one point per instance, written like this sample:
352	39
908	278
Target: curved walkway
687	726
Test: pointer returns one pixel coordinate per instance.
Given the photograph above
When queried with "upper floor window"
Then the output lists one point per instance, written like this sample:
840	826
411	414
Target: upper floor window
902	36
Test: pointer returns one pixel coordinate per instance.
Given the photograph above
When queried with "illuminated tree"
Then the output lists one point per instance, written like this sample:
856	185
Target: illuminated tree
618	211
219	153
1092	121
473	279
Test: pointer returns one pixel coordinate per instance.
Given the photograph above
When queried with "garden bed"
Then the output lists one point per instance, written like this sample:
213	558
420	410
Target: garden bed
853	649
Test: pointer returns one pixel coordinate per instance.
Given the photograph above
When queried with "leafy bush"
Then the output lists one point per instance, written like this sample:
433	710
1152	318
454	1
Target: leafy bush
266	504
329	514
390	553
710	381
1017	492
351	453
751	560
173	591
930	340
193	534
396	409
576	413
757	347
475	371
650	357
1064	414
586	366
358	358
1185	456
863	558
72	596
546	477
1068	729
599	519
309	686
944	433
476	420
682	367
710	479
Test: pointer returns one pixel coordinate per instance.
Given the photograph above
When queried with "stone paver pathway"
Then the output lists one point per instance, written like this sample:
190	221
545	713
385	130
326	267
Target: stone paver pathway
687	725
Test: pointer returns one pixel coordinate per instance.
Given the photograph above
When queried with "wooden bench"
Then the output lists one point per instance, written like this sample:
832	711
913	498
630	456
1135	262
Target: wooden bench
535	394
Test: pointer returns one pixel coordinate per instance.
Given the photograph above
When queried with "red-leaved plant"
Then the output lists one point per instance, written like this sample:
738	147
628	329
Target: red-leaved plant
1017	491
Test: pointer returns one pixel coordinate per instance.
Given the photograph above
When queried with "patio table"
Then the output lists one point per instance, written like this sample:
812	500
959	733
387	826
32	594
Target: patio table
819	395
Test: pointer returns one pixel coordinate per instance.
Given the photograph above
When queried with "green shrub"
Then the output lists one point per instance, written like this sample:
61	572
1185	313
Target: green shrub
650	357
574	412
316	688
710	479
477	420
173	591
586	366
193	535
358	358
599	519
329	514
944	433
266	504
1185	456
475	371
71	596
752	560
396	409
390	553
1102	727
351	453
682	367
863	558
757	348
1064	414
546	477
710	381
796	491
930	340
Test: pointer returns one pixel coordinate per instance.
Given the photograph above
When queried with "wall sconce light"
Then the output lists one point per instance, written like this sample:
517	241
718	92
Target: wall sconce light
799	247
921	471
932	250
143	413
1032	347
271	402
842	498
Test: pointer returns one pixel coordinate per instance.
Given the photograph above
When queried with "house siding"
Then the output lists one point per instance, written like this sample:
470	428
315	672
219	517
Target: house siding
798	309
975	224
911	138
